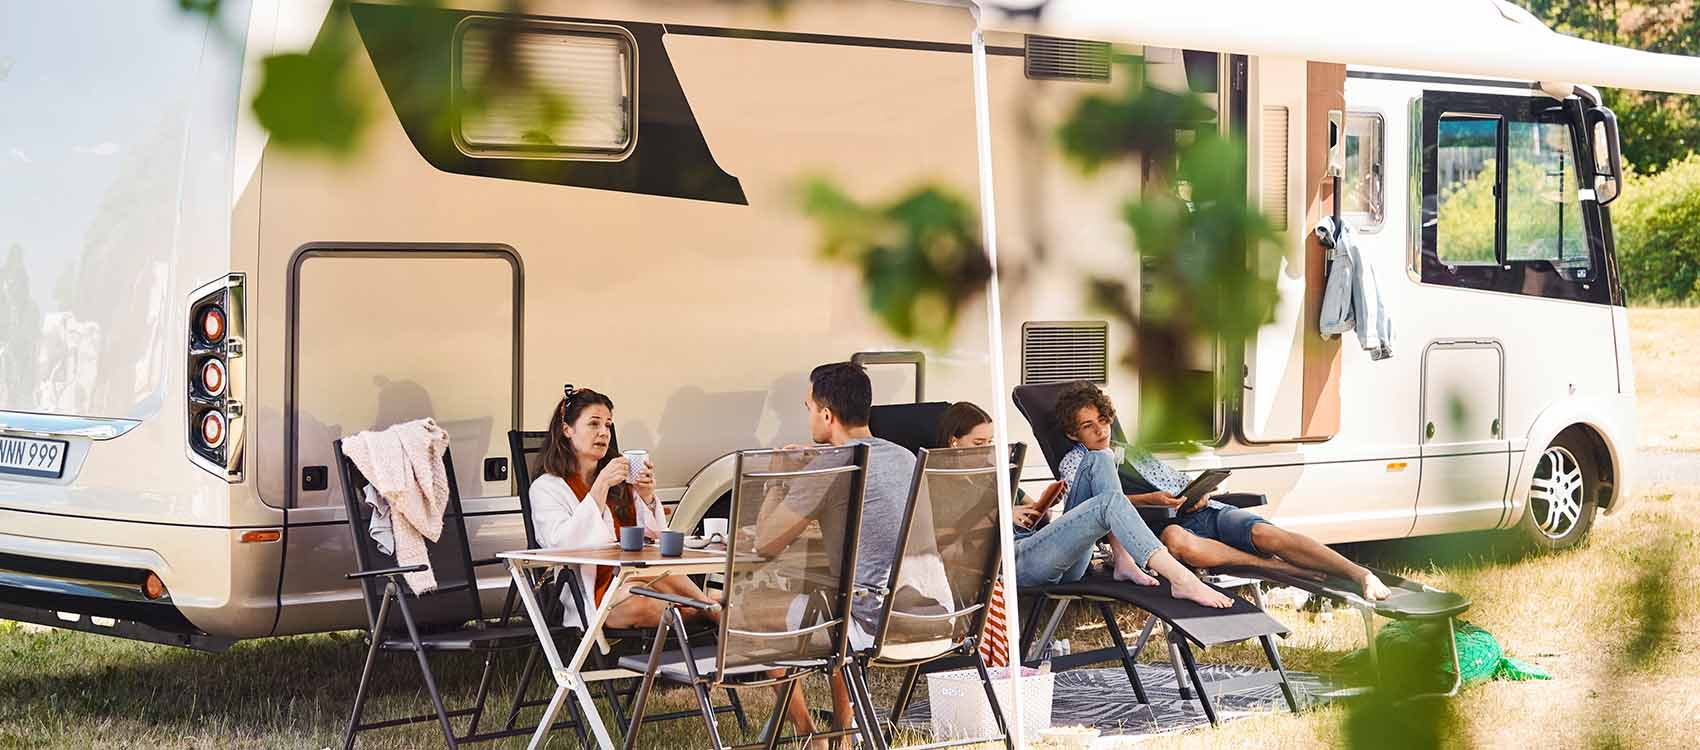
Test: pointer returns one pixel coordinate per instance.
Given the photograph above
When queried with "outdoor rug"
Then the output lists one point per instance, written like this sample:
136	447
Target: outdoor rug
1102	698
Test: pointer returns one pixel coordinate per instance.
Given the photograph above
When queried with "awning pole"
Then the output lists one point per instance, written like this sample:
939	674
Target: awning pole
1000	389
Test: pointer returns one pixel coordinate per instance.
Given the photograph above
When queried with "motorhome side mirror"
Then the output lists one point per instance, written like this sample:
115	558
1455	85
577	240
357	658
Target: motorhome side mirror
1608	154
1336	143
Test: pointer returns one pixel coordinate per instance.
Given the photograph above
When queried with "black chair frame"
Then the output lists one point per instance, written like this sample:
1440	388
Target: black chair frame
384	586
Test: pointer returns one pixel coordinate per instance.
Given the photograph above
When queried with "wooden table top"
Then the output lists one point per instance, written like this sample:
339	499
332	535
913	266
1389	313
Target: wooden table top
612	556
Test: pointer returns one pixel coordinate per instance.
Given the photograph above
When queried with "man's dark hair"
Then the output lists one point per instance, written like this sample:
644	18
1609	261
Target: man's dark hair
844	388
1077	397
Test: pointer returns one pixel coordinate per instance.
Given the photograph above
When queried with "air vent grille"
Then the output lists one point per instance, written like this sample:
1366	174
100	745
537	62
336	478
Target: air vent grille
1058	352
1274	198
1053	59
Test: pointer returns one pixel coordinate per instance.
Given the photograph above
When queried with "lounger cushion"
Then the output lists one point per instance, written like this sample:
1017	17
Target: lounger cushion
1410	600
1205	626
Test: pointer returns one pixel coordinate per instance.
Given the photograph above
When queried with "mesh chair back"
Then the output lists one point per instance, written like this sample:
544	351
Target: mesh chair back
942	580
790	571
913	426
455	600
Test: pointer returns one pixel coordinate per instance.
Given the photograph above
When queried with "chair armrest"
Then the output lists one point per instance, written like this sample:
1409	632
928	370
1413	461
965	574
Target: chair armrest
675	599
387	572
859	590
487	561
1242	499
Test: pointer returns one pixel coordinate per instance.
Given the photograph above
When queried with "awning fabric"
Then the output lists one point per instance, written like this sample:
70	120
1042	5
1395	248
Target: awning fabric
1484	38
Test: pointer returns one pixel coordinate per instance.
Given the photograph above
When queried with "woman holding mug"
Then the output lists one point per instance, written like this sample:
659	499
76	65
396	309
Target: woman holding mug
583	497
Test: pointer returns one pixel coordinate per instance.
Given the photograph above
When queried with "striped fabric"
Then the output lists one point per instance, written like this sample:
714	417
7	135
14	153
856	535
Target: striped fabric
994	647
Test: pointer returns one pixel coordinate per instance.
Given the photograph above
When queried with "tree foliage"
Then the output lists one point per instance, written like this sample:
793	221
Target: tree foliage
1657	225
1657	128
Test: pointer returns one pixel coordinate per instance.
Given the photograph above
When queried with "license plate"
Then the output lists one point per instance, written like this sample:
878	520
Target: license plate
32	458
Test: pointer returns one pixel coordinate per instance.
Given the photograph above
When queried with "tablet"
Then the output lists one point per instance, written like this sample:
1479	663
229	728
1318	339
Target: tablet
1201	486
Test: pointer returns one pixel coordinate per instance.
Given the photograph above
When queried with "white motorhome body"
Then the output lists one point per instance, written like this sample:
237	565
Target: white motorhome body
456	270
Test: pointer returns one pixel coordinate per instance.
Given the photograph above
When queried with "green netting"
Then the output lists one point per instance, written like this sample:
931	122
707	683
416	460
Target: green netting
1414	657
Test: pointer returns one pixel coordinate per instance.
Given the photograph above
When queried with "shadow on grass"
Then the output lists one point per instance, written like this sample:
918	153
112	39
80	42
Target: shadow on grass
1480	549
301	686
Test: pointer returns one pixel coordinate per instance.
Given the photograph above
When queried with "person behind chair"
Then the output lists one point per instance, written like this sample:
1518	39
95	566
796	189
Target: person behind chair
839	403
1060	551
1214	535
582	499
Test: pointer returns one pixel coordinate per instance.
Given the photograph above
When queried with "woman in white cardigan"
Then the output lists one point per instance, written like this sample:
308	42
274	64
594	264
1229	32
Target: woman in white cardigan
581	499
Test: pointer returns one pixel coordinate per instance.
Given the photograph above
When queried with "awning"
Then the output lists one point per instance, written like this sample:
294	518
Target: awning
1485	38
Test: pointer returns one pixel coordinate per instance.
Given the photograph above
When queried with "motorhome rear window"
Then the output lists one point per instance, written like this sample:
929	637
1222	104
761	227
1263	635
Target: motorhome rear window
567	91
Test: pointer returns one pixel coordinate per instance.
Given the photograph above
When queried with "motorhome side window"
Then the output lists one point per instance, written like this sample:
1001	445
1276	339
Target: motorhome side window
589	69
1501	207
1542	212
1466	199
1361	186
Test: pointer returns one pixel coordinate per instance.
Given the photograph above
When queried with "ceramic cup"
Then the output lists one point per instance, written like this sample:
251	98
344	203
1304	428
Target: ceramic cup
636	460
672	543
631	538
714	529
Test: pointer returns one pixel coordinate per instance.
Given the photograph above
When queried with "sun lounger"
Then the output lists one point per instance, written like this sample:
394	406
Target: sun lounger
1411	600
1184	623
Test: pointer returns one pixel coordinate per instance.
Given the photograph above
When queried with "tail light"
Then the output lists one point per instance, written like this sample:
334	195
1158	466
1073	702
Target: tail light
215	382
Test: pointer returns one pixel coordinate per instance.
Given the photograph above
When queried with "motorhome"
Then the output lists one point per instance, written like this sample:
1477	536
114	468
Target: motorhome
193	313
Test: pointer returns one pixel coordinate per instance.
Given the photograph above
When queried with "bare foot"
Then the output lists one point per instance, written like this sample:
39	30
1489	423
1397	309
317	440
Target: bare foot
1134	574
1374	589
1195	591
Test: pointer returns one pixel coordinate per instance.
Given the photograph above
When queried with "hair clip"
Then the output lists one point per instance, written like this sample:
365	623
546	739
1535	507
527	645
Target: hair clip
568	391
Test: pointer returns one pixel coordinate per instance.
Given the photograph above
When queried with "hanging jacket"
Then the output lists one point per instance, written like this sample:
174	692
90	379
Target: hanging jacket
1353	299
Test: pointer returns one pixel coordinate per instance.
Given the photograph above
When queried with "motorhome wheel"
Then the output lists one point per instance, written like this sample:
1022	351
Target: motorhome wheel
1561	502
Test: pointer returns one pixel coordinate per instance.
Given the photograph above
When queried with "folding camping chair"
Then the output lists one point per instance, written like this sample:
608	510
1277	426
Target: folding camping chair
447	618
524	447
1185	624
1410	601
935	604
786	605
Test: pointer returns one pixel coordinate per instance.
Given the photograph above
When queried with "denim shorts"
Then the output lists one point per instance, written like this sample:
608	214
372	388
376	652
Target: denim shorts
1225	524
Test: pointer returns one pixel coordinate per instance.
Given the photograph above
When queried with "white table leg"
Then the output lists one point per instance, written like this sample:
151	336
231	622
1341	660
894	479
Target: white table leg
534	613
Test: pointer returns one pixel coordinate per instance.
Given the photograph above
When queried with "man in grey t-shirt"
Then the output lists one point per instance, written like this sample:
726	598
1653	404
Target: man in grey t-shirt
839	401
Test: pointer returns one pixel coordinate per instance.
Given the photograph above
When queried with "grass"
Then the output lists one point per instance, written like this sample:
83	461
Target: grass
1616	621
1666	349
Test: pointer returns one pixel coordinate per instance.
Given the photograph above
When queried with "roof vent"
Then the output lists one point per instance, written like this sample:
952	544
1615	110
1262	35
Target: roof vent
1052	59
1063	351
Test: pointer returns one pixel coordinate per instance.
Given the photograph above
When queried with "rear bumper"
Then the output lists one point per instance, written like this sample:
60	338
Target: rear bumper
100	599
214	583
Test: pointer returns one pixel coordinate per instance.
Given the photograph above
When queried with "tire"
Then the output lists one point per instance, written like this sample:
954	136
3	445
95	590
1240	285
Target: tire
1562	496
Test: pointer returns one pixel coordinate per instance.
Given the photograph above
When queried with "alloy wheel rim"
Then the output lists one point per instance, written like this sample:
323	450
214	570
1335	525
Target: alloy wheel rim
1555	495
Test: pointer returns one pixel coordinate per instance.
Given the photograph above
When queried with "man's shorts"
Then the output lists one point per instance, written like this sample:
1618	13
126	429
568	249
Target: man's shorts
860	638
1224	523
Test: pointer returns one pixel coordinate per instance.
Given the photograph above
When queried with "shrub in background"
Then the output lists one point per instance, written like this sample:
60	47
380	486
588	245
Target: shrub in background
1657	225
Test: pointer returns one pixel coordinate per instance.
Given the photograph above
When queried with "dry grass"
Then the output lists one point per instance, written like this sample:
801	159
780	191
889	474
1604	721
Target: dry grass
1617	622
1620	646
1666	348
